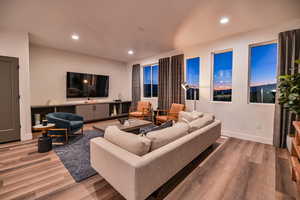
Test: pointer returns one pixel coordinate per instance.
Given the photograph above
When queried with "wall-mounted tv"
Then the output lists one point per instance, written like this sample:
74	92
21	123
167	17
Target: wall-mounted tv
81	85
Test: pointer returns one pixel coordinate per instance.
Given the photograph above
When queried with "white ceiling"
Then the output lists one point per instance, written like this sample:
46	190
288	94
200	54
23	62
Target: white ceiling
109	28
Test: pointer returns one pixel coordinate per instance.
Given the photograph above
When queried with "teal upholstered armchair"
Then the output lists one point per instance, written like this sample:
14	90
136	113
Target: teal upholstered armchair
68	121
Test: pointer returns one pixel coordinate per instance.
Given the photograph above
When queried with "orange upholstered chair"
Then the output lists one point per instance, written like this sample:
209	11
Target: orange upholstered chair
171	114
143	110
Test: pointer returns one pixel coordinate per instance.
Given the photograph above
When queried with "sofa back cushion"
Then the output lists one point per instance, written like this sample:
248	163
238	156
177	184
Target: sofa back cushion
165	136
201	122
133	143
189	116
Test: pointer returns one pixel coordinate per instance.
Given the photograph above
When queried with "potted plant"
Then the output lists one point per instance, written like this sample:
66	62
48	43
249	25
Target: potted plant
289	96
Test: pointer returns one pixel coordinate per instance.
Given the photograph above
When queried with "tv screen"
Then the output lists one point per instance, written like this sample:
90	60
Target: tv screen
86	85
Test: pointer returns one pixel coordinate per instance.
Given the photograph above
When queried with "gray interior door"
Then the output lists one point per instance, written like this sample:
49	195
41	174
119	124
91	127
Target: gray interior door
9	99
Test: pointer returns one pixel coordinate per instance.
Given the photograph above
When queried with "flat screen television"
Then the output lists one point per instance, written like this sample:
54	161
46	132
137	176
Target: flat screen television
81	85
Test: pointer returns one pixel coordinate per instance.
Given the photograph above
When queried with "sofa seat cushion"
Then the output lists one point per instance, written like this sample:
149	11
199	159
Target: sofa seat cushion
189	116
165	136
76	124
133	143
201	122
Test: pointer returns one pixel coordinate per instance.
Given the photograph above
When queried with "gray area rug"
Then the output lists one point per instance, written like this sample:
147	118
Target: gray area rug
76	155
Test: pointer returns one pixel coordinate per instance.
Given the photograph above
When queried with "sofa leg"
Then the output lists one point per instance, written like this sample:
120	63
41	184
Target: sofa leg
82	131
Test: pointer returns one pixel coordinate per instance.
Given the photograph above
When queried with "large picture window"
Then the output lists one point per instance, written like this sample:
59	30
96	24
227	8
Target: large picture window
263	65
192	77
150	80
222	76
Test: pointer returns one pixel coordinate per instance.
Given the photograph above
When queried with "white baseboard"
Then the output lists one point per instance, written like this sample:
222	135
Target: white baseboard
245	136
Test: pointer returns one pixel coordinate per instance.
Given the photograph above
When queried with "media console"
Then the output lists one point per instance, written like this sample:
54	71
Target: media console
89	111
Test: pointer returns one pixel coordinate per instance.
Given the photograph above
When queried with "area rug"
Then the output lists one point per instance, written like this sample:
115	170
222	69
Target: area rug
76	155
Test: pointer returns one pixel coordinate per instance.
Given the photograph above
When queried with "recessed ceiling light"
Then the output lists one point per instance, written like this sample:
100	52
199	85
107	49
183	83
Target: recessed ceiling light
130	52
75	37
224	20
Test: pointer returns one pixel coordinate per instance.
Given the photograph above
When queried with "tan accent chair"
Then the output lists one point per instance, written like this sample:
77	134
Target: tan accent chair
143	110
171	114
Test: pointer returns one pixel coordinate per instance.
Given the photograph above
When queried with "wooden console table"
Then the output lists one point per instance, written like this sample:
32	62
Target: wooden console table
295	154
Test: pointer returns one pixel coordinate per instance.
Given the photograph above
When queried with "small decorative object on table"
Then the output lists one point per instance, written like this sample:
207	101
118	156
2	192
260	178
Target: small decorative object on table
45	122
44	142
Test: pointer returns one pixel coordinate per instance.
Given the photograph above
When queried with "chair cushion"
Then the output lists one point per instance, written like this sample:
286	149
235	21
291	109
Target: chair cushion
162	118
176	108
165	136
76	124
152	127
133	143
136	114
144	106
189	116
201	122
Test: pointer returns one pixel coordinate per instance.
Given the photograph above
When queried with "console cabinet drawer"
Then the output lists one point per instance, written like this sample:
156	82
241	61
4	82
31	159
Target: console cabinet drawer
101	111
86	111
93	112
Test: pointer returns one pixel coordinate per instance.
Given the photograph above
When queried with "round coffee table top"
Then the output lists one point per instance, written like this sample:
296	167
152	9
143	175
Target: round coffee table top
40	127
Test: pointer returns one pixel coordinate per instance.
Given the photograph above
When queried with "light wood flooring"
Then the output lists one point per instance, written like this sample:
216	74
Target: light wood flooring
237	169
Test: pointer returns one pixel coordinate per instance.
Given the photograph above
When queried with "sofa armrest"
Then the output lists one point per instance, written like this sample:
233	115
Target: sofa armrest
116	165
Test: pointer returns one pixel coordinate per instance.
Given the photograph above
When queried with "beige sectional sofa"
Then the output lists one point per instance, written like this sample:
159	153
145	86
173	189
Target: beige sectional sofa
136	177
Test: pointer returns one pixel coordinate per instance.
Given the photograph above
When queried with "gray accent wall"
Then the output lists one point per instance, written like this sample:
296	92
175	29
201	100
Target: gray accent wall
48	68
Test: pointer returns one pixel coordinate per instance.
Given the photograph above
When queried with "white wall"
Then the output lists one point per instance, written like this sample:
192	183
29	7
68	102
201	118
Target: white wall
48	69
239	118
16	44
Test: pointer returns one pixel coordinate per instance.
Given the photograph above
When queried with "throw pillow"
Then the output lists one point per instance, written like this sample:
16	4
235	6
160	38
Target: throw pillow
131	142
189	116
201	122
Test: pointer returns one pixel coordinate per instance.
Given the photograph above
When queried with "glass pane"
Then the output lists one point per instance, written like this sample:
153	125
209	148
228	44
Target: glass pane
263	62
147	81
192	77
154	80
222	76
191	92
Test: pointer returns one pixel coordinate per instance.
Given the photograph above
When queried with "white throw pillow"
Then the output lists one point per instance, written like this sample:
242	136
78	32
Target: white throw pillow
201	122
131	142
189	116
165	136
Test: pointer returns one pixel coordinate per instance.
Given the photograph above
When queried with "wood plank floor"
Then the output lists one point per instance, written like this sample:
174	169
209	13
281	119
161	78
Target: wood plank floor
235	170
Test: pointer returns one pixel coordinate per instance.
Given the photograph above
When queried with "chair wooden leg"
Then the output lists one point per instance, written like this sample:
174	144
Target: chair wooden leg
67	137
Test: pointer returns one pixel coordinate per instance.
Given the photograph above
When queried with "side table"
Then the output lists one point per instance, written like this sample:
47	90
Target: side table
44	142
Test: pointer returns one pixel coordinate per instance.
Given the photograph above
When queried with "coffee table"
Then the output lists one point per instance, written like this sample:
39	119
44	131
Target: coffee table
134	124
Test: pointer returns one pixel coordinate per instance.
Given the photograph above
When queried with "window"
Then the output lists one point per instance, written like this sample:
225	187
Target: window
222	76
263	62
192	77
151	81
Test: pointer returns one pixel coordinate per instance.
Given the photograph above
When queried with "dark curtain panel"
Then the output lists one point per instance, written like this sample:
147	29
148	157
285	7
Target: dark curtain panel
289	51
136	85
164	85
177	78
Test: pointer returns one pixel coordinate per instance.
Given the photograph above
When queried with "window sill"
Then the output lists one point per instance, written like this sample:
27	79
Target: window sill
262	104
221	102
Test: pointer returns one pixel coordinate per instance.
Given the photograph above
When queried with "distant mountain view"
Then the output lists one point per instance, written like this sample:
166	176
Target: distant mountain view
263	93
222	95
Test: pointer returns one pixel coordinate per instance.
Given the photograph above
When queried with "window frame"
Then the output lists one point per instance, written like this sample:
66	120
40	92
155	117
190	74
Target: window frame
249	68
212	74
185	77
151	74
